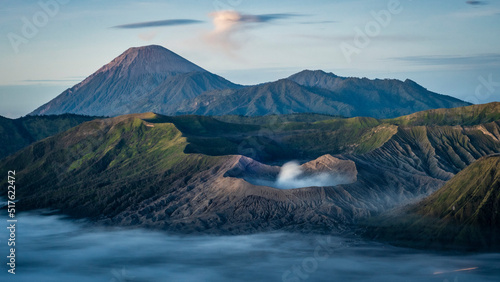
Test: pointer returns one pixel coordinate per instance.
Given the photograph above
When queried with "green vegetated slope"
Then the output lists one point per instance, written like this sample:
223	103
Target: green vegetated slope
472	115
267	119
275	138
16	134
418	160
463	214
278	139
103	166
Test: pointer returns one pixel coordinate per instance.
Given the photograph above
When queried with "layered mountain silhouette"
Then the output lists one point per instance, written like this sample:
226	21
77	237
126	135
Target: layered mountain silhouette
154	79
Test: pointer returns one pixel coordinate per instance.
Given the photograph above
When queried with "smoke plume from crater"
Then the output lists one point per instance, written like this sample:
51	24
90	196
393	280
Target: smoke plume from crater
292	176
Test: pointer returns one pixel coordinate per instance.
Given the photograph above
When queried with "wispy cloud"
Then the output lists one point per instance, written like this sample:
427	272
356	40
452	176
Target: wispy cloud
53	80
394	38
148	36
228	23
481	9
477	13
474	2
456	61
171	22
319	22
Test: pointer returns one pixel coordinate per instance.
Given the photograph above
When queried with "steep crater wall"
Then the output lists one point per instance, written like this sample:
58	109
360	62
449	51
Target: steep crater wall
326	171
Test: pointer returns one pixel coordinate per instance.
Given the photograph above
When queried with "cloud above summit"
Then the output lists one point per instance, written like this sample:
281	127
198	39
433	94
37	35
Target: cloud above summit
227	24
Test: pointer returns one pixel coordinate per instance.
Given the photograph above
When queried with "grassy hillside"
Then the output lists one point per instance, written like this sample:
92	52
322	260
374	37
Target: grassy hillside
103	166
305	136
16	134
263	120
270	139
464	214
471	115
284	134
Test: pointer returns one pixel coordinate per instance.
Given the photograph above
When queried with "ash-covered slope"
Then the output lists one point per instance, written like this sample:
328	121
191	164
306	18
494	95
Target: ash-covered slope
138	76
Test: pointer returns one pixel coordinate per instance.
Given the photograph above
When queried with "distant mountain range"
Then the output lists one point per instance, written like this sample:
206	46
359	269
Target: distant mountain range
154	79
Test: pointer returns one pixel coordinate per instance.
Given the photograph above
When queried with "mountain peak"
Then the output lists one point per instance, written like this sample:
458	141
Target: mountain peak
149	60
119	85
312	73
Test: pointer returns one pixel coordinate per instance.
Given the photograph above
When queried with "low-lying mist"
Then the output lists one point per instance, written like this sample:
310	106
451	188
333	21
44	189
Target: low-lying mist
292	176
50	248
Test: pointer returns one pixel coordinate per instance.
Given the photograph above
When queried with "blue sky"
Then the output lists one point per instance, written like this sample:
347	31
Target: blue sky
450	46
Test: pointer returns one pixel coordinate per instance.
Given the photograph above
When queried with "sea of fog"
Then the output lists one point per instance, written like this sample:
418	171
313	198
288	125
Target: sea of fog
51	248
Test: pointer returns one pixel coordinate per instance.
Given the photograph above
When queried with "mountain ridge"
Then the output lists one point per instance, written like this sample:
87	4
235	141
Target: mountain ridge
153	78
391	97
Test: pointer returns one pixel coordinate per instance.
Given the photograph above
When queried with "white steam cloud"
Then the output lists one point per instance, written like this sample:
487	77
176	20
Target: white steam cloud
292	176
